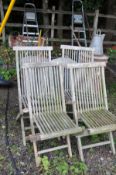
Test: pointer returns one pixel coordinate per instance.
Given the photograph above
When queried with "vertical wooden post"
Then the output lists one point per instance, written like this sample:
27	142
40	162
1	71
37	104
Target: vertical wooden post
45	15
2	17
95	25
52	22
60	19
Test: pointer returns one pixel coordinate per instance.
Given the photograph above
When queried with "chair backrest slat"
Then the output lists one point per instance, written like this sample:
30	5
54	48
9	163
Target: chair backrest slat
44	86
77	53
89	89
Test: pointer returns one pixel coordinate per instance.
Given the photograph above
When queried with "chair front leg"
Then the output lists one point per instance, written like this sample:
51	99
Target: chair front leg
112	143
80	148
37	157
69	146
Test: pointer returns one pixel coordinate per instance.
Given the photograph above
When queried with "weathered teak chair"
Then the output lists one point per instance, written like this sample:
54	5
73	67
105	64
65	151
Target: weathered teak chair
28	54
46	103
90	103
78	55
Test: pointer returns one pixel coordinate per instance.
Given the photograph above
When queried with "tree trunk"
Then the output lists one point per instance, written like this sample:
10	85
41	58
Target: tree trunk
110	23
45	16
60	18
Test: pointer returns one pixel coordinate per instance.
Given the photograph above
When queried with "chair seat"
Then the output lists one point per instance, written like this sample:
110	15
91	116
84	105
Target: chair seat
53	125
99	121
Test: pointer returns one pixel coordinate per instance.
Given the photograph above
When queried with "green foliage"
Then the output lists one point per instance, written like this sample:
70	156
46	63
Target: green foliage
56	53
7	55
111	92
7	60
10	169
45	163
78	168
95	138
8	74
98	138
91	5
2	158
62	165
29	148
112	55
15	149
112	88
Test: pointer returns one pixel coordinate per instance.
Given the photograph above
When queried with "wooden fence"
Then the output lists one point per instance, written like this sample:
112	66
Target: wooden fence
53	27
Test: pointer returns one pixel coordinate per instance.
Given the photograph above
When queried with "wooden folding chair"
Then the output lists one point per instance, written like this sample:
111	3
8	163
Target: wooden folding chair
44	84
28	54
90	104
78	55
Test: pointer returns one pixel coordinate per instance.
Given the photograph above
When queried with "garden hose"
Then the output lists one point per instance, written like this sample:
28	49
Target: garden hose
14	166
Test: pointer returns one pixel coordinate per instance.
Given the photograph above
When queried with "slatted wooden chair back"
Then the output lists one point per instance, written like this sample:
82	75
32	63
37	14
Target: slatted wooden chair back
28	55
90	104
88	86
78	54
46	103
45	88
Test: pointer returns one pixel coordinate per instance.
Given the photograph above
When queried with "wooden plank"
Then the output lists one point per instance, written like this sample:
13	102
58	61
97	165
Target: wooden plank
96	144
21	9
53	149
52	22
59	27
95	22
107	16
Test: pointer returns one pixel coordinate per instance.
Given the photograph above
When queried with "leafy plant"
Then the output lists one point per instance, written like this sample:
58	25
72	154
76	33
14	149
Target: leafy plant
95	138
61	165
7	63
2	158
7	74
78	168
10	169
7	55
45	163
15	149
91	5
112	55
56	53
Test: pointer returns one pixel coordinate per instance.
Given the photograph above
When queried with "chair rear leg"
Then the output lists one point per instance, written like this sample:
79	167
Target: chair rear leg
112	143
69	146
23	131
80	148
18	116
